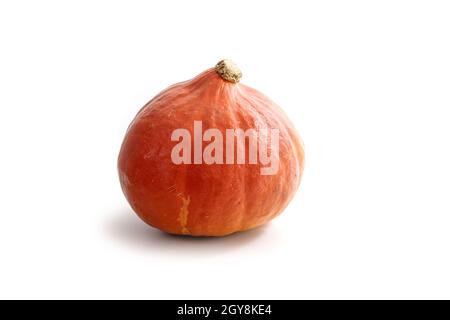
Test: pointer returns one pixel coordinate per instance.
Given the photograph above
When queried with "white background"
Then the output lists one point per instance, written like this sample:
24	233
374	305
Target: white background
367	84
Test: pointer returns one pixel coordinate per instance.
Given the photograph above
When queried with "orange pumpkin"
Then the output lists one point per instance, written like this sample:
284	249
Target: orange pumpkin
188	163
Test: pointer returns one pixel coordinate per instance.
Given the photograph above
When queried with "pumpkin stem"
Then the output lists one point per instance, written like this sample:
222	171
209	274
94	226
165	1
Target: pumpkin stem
228	70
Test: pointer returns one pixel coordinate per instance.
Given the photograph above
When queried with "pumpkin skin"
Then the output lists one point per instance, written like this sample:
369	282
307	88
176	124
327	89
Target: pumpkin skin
206	199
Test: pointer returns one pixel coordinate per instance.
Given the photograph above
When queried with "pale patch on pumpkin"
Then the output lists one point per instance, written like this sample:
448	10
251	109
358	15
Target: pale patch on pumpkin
184	214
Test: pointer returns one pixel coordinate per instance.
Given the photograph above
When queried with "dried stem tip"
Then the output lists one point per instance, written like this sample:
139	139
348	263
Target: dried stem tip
228	71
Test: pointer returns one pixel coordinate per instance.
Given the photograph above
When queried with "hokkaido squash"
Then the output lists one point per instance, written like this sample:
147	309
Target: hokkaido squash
210	157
